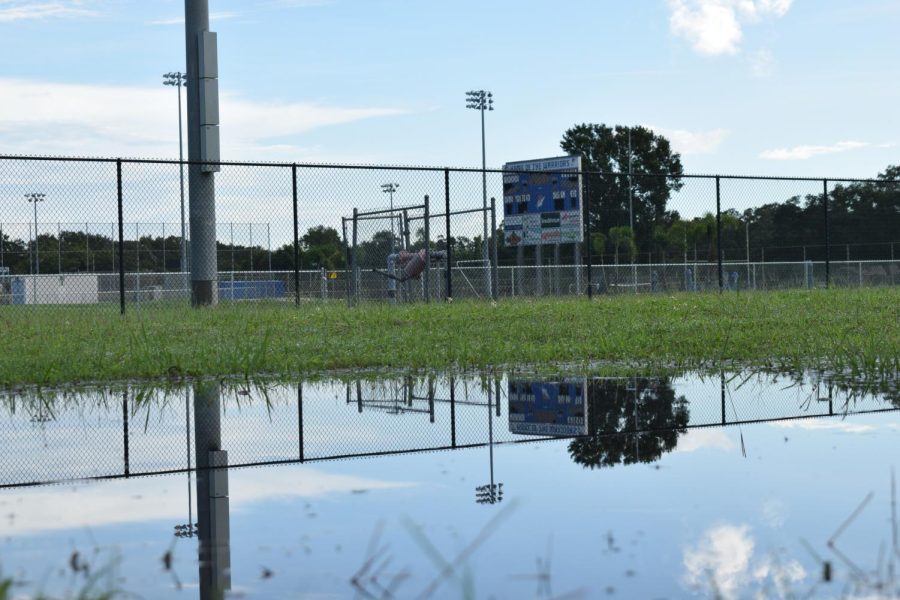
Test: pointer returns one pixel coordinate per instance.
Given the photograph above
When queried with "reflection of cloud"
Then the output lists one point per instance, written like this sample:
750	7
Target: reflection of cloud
715	27
722	563
117	502
698	439
54	118
773	511
721	557
822	425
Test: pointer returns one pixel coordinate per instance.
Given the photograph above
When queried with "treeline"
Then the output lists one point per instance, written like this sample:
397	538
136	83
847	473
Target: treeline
78	252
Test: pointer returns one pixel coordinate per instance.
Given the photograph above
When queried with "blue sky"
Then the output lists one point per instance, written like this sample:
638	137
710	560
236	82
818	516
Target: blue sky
740	86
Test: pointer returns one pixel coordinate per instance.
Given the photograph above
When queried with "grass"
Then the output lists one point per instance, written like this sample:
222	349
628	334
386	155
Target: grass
841	330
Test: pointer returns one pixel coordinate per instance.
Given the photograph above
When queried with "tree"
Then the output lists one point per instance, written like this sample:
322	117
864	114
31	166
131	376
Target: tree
605	150
630	420
322	248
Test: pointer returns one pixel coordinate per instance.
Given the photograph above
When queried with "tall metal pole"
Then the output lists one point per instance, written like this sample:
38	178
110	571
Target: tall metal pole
827	234
719	235
296	236
449	240
482	101
203	133
630	191
121	237
177	79
184	264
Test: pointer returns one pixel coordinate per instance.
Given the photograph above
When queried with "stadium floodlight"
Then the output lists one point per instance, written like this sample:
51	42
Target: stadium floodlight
178	79
481	101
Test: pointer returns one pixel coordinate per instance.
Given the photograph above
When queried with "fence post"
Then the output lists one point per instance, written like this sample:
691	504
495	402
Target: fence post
353	258
495	285
827	235
447	224
719	233
586	204
296	237
346	258
121	239
427	252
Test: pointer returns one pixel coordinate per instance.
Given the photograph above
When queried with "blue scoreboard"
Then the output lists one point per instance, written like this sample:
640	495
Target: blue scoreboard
548	407
542	201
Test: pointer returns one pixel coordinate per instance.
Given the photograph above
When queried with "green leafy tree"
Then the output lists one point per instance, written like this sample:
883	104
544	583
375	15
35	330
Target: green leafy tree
606	150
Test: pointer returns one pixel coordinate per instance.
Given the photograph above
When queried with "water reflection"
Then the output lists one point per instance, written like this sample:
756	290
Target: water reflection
131	430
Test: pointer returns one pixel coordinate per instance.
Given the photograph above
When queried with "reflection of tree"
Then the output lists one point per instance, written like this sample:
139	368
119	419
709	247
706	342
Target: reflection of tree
618	411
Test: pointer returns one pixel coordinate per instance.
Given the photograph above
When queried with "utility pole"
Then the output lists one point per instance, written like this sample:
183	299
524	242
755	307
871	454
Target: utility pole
481	101
203	149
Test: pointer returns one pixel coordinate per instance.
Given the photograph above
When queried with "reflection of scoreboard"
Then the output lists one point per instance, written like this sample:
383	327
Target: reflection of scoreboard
548	408
542	202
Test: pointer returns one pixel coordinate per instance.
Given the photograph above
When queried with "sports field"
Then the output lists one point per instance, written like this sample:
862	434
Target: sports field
831	329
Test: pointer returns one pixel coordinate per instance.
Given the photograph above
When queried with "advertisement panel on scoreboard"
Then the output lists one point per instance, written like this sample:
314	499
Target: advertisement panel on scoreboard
548	407
542	201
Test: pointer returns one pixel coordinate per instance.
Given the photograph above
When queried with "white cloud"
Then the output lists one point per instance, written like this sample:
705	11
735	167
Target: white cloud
809	151
216	16
715	27
85	120
693	142
723	560
11	10
698	439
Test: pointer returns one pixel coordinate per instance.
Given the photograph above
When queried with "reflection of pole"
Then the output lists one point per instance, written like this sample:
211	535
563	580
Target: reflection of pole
491	438
213	523
452	412
300	417
722	391
125	432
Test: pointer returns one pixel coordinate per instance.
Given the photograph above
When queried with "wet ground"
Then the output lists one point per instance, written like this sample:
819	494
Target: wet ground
484	485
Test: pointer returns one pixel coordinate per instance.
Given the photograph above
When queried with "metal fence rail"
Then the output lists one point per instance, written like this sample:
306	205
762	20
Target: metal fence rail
97	231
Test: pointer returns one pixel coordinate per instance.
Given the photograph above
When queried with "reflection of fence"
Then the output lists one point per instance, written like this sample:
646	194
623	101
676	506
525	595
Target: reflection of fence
127	431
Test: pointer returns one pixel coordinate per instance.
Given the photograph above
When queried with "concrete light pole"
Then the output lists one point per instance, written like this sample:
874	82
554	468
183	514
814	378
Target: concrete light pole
481	101
178	79
203	149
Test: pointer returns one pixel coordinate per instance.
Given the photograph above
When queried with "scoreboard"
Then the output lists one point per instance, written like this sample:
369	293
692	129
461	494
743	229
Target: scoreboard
542	201
548	407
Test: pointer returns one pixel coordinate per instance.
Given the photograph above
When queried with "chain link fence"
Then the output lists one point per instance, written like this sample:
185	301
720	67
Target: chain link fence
129	430
113	232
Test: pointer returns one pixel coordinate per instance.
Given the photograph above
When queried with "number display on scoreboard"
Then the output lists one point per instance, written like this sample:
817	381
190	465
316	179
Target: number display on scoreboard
542	201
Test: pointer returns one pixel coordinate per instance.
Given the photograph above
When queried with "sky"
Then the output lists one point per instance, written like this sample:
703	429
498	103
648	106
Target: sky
782	87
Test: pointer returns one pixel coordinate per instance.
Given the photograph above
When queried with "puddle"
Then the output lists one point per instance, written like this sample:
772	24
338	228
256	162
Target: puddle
502	485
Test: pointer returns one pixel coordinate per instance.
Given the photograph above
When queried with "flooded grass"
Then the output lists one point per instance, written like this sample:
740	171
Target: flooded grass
838	330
